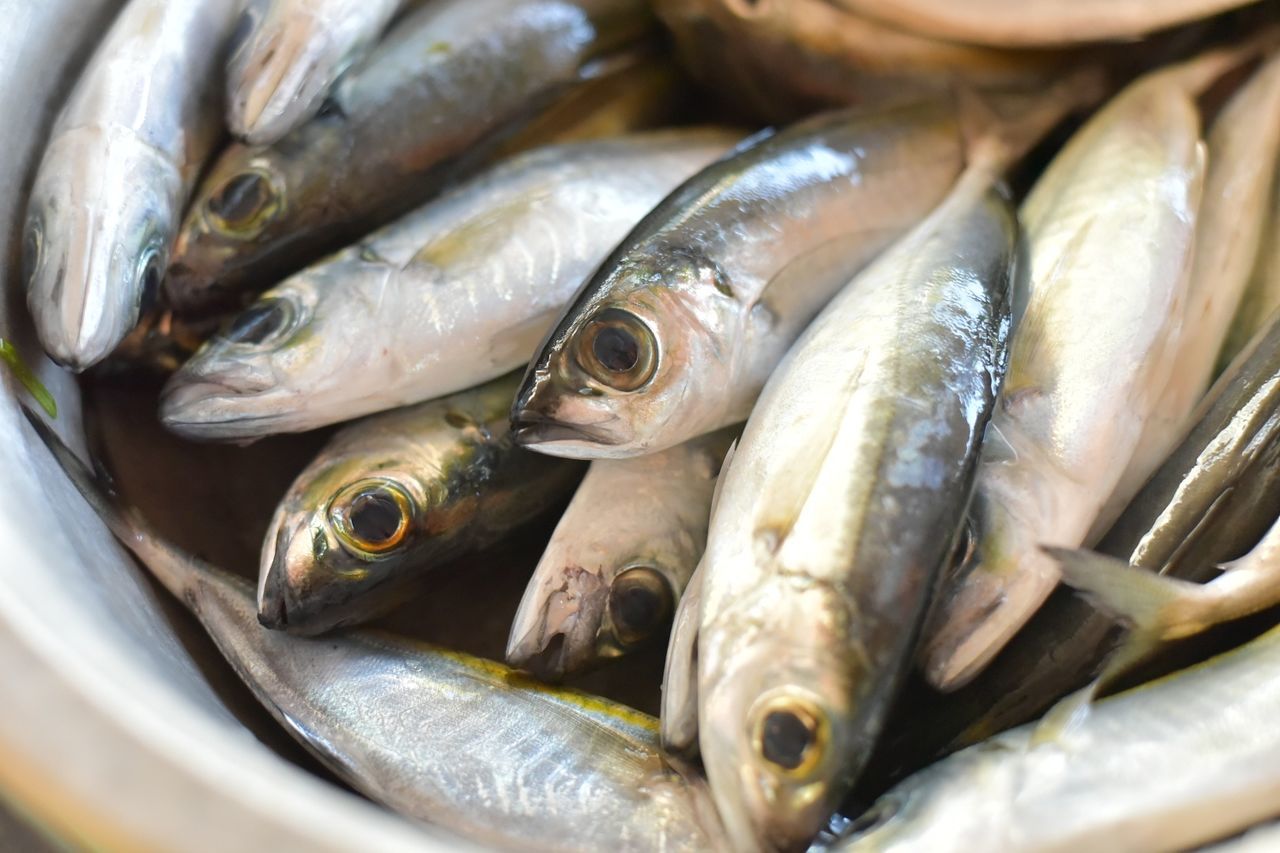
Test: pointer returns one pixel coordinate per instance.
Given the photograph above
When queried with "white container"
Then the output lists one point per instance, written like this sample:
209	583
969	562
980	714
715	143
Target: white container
109	736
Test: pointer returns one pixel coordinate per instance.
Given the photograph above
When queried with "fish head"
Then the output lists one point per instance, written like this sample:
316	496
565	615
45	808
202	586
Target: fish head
574	617
779	691
620	374
96	241
338	543
237	211
279	366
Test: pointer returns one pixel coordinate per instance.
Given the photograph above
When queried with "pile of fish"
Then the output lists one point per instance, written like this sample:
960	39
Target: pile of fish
834	405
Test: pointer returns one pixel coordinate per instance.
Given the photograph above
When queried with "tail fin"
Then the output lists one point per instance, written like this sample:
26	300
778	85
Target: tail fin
169	567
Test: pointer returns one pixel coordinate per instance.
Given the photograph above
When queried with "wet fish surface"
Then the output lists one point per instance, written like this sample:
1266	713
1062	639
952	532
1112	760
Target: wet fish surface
619	559
392	497
122	157
873	419
458	742
291	52
444	81
452	295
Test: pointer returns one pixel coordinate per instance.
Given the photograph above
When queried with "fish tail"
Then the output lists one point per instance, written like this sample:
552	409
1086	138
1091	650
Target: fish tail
124	522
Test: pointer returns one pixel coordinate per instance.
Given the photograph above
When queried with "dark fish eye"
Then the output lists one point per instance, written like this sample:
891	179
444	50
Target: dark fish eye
243	204
640	602
258	322
618	349
149	280
790	734
372	516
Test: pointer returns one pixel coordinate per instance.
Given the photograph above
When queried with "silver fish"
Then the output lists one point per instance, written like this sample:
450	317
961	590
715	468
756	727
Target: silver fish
619	559
289	53
122	158
426	106
1167	766
392	497
453	295
456	741
870	427
1090	360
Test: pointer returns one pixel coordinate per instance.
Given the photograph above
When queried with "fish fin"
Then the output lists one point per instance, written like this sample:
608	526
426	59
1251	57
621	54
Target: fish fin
1066	715
679	715
169	566
1199	73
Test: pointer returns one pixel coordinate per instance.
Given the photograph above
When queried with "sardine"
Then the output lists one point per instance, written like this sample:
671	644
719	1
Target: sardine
442	84
677	332
1242	154
392	497
870	427
288	54
122	158
1007	23
456	741
1167	766
619	559
1090	358
453	295
1207	504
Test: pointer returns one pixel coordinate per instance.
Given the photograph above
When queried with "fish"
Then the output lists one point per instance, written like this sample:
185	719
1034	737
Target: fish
679	713
677	332
870	426
288	55
447	81
1002	23
785	59
1207	504
619	559
1242	150
1118	203
122	158
458	742
453	295
392	497
1261	297
1115	778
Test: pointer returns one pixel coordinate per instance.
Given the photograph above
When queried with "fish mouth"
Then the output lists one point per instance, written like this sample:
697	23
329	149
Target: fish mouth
204	410
559	637
531	429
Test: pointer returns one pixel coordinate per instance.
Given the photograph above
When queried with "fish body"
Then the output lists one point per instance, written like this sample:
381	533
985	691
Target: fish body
679	329
1261	299
452	295
1115	777
441	84
456	741
392	497
840	505
1108	229
618	561
122	157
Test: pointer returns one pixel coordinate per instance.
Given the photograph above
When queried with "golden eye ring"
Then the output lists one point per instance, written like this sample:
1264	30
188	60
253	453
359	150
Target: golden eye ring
790	733
371	517
618	349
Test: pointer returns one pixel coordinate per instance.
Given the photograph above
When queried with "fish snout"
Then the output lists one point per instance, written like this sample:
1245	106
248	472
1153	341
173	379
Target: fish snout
554	632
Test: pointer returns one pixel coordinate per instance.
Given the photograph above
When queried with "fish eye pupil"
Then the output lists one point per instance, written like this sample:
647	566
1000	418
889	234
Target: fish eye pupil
786	739
150	282
616	349
241	198
640	601
258	322
375	517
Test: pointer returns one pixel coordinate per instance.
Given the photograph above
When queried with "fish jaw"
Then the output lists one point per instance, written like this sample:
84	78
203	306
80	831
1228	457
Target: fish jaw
549	418
554	631
298	592
218	408
87	258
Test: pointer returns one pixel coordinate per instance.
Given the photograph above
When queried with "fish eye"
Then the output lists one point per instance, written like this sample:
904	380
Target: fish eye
32	243
640	602
791	734
150	273
618	349
245	204
371	517
259	322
